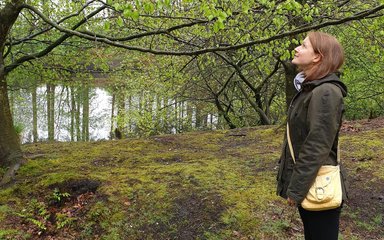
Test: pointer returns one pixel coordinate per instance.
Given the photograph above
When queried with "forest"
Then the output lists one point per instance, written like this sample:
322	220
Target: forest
77	73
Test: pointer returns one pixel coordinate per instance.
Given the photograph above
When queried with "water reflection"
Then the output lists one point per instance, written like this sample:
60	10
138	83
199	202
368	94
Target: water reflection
100	104
141	115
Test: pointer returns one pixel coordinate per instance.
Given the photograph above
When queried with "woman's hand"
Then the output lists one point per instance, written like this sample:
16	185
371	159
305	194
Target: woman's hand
291	202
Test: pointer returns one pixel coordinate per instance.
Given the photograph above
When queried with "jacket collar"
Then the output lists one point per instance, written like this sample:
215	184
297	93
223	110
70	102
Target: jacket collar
330	78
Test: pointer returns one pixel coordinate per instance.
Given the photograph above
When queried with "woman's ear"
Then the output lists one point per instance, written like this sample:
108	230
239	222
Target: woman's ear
317	58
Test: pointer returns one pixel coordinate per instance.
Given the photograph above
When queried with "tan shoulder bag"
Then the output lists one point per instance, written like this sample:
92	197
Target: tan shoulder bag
326	191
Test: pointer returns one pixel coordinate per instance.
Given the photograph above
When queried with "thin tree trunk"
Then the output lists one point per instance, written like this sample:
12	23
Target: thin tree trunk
176	120
73	110
224	114
112	115
189	116
51	111
264	118
85	125
77	114
34	114
120	113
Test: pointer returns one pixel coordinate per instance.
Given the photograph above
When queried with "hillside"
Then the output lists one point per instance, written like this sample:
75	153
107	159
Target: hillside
201	185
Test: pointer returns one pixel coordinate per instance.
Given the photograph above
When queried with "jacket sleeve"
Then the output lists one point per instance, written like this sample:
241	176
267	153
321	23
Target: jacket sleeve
323	119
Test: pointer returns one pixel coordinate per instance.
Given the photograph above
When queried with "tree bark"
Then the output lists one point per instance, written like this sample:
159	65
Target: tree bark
111	136
85	125
224	113
73	110
51	111
11	156
120	122
290	73
34	114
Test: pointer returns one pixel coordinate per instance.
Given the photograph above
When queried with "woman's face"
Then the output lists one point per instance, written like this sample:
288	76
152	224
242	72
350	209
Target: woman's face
305	56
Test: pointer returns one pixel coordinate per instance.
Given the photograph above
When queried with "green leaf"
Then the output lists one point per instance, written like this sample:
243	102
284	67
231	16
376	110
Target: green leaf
222	16
135	15
127	13
245	8
107	25
116	6
167	3
149	7
120	22
216	27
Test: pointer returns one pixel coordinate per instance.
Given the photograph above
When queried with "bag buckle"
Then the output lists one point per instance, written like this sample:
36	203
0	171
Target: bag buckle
320	193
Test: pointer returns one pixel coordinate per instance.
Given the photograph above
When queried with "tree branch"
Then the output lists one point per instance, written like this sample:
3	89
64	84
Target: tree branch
59	41
357	16
69	32
30	37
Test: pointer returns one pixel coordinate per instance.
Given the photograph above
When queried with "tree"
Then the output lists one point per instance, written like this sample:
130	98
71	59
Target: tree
162	28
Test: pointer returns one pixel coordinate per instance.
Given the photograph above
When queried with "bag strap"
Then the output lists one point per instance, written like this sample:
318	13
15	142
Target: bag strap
293	154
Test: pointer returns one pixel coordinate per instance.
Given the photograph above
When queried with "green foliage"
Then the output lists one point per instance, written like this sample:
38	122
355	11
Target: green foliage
58	196
63	220
15	234
19	128
35	212
197	80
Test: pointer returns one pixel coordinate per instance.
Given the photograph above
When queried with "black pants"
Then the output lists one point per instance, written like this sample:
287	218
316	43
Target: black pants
320	225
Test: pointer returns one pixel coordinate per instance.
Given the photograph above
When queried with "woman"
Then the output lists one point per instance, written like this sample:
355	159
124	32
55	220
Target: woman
314	119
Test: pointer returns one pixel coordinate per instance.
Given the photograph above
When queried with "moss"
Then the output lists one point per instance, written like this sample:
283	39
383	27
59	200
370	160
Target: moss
4	210
13	234
202	185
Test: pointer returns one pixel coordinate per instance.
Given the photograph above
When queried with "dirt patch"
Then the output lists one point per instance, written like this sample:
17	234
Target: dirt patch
174	159
362	125
105	162
193	214
76	187
366	201
51	218
165	139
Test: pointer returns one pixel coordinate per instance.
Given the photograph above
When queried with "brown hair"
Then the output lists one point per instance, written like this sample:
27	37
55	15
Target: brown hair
331	52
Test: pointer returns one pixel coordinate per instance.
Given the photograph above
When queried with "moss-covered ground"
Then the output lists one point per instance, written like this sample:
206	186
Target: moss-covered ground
201	185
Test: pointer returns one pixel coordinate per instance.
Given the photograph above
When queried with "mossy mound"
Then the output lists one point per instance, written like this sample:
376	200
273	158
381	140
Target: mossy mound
201	185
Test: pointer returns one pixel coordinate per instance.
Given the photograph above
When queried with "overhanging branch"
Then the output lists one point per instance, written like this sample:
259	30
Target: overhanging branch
55	44
69	32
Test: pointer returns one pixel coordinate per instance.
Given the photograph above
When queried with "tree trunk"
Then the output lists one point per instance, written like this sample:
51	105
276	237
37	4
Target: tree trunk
224	114
10	152
189	121
77	115
51	111
120	122
111	136
290	91
85	125
263	117
34	114
73	109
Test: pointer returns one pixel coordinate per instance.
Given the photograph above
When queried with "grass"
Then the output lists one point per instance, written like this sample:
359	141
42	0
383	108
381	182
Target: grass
203	185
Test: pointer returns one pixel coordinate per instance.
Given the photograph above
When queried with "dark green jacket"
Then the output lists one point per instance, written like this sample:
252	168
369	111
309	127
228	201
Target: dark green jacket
314	119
